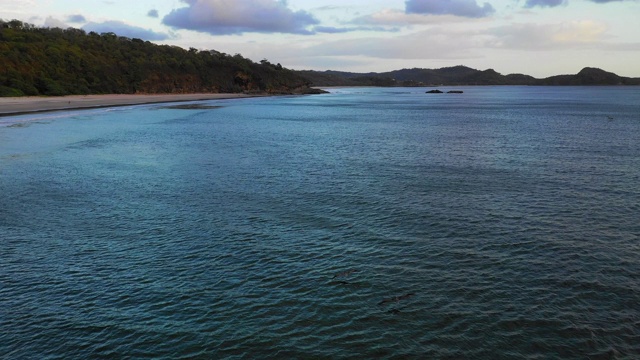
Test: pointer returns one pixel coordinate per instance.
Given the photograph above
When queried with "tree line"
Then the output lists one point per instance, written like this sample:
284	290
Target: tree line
54	61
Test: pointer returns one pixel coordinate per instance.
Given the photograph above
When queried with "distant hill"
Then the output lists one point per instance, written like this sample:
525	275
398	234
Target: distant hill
590	76
46	61
460	75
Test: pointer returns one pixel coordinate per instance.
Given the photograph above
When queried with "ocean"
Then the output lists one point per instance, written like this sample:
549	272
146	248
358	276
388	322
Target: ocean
499	223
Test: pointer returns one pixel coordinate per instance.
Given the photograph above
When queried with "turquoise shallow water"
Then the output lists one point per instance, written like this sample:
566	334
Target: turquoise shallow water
509	213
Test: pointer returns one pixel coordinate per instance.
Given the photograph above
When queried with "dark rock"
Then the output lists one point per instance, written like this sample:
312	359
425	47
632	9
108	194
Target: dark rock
436	91
454	92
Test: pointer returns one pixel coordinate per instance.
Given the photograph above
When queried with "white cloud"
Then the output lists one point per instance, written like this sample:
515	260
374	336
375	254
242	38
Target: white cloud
16	7
51	22
565	35
436	43
443	42
224	17
393	17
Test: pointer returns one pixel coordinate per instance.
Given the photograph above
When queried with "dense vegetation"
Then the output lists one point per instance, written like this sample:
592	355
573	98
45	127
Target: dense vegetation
461	75
52	61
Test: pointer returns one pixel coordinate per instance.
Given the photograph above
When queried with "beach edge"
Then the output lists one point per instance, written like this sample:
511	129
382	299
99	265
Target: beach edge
14	106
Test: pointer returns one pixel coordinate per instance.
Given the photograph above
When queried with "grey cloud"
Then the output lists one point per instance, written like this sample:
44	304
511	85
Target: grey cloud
465	8
216	17
121	29
328	8
153	13
544	3
336	30
331	30
554	3
76	19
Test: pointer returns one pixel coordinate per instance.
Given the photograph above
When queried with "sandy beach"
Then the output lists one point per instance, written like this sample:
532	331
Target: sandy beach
32	104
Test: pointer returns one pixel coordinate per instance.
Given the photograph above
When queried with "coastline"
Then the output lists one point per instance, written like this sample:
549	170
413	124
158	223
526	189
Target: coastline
13	106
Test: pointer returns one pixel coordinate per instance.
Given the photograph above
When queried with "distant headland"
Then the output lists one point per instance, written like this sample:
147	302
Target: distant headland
460	75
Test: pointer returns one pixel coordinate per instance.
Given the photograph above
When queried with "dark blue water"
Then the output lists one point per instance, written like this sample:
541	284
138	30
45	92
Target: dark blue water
500	223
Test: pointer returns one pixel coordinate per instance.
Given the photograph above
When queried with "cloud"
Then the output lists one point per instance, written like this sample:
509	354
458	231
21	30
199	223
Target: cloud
342	30
544	3
121	29
436	43
574	34
464	8
635	47
327	62
76	19
330	8
446	42
153	13
225	17
332	30
392	17
51	22
18	8
579	32
554	3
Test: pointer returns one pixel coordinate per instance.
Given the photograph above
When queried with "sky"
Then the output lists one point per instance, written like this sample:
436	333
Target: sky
534	37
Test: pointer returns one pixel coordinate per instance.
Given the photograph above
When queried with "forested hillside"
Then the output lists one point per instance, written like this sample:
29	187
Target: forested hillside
52	61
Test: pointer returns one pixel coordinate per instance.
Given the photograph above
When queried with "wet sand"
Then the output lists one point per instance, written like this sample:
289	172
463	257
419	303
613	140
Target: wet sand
33	104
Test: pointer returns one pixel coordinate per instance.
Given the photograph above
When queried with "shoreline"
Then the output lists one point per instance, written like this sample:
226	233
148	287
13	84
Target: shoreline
14	106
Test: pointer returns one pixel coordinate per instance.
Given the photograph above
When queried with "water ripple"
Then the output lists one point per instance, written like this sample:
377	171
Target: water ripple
301	232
